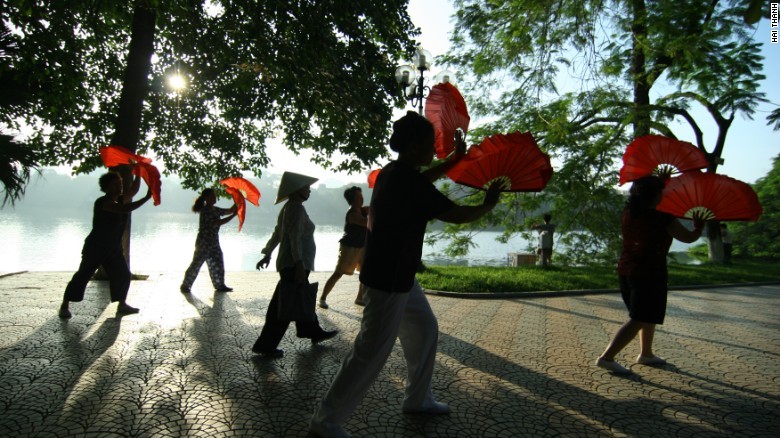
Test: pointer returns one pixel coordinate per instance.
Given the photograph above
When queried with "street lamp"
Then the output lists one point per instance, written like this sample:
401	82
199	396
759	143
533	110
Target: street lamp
412	85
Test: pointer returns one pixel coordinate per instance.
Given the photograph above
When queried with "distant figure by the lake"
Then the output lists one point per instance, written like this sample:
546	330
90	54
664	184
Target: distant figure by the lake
546	240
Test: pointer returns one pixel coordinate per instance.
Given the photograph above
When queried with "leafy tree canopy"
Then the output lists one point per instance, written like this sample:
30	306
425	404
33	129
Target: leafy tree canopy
318	74
759	239
514	53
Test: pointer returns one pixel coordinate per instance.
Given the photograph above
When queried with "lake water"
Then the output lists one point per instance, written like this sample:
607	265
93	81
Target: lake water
165	241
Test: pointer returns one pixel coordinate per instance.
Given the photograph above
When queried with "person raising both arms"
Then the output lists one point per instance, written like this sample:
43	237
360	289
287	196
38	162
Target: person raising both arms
647	237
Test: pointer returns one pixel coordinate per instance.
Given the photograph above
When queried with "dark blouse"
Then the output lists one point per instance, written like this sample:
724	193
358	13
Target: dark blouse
107	226
354	234
402	204
646	243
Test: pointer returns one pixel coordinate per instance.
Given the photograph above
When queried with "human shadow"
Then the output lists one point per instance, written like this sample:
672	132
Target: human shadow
44	374
513	397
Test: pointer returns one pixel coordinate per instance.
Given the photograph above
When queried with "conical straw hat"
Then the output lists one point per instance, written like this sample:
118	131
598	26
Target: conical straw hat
291	183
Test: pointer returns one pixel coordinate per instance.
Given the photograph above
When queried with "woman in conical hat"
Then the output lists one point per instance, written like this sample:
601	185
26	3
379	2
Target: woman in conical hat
291	183
294	234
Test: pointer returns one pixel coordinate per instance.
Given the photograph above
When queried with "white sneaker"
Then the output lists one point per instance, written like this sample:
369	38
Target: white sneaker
650	360
612	366
323	304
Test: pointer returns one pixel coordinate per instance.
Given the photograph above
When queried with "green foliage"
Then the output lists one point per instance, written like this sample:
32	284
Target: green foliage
614	51
759	239
557	278
318	74
17	161
580	196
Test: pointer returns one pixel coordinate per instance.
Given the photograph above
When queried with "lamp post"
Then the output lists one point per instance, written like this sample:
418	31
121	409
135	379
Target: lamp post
413	86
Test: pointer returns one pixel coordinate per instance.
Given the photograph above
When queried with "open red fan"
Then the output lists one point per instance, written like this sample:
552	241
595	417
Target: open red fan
151	175
241	189
115	155
446	110
372	178
515	159
659	155
719	197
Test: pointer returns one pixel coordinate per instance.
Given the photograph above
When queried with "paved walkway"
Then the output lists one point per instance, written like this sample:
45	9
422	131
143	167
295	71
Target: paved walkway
508	368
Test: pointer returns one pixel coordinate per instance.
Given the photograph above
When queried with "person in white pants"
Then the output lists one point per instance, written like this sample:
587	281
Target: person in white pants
403	201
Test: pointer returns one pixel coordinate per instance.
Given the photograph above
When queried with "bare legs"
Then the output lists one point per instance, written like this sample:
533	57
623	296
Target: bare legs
334	278
625	334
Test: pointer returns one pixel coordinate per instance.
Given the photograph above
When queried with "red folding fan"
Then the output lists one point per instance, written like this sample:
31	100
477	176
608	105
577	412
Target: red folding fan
718	197
372	178
659	155
151	175
115	155
241	190
446	110
514	159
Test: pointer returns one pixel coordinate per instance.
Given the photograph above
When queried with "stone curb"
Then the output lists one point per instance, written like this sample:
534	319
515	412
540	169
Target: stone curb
576	292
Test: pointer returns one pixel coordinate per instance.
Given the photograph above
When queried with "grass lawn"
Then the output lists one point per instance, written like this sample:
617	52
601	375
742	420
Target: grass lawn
535	278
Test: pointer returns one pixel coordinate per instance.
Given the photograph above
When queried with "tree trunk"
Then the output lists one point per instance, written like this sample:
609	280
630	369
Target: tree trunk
135	86
715	243
716	253
639	73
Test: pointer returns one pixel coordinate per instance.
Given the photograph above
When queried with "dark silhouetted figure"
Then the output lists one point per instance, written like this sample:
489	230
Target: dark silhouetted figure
294	234
103	245
647	236
403	201
351	245
207	247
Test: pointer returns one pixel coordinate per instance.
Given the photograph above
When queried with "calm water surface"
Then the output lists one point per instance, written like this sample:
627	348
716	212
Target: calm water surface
165	241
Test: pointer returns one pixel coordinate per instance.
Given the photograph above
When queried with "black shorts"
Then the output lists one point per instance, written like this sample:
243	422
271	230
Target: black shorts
645	297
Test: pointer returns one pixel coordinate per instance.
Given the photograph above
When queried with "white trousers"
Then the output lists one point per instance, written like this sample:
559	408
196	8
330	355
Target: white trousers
386	316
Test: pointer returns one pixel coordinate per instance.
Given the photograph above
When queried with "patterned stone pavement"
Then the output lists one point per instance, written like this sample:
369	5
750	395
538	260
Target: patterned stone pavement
508	368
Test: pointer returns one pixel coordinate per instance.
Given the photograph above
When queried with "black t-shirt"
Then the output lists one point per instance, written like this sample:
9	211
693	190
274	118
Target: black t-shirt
107	227
354	234
402	204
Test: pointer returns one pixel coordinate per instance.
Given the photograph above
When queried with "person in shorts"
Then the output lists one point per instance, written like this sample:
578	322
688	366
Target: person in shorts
647	237
351	245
